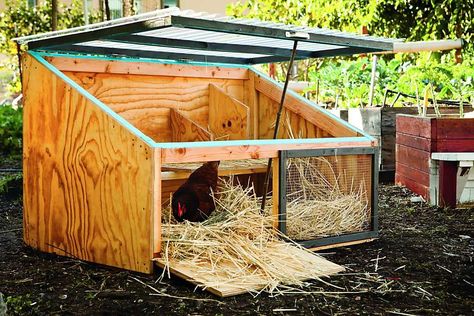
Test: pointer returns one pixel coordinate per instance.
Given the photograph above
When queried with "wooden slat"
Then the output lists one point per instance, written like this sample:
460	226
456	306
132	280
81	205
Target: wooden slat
146	101
157	198
416	126
309	113
175	171
413	173
454	145
194	154
88	180
413	141
413	185
251	97
275	191
195	275
449	128
146	68
185	130
413	157
229	119
342	244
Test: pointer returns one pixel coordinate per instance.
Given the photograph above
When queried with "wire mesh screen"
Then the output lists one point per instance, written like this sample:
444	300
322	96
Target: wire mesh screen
328	196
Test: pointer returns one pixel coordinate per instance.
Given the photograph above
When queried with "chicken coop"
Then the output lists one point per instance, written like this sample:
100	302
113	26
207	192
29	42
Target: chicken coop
116	115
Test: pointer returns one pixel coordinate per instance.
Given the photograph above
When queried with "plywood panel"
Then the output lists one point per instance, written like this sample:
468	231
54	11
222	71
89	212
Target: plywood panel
229	119
88	180
145	68
308	112
145	101
185	130
292	125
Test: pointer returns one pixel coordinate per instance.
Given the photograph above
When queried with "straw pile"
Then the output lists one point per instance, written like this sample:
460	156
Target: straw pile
321	203
237	246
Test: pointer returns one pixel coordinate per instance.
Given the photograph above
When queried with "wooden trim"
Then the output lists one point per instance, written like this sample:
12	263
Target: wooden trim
251	99
343	244
227	152
275	191
448	171
312	114
156	216
144	68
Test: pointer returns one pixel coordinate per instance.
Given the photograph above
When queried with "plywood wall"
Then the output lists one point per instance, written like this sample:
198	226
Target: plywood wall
145	101
87	180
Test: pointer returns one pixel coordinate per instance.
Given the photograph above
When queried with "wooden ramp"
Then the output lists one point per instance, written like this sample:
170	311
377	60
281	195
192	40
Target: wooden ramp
241	284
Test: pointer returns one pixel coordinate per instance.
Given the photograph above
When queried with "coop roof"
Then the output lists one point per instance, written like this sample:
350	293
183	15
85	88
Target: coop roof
188	35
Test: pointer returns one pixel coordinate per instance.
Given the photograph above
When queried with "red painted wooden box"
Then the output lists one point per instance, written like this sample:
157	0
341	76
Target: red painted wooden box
418	137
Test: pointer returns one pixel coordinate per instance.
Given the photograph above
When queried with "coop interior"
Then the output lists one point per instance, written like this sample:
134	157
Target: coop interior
173	103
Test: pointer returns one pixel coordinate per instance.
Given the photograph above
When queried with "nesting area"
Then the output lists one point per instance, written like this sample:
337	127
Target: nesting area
323	201
237	249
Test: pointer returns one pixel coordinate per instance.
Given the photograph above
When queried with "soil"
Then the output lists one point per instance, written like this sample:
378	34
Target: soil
420	265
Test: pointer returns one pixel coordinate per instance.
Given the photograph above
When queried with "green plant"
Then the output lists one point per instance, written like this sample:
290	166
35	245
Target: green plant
10	181
18	305
19	19
11	122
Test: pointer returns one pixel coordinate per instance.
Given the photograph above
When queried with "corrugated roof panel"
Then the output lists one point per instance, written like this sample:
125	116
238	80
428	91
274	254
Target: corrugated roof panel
175	34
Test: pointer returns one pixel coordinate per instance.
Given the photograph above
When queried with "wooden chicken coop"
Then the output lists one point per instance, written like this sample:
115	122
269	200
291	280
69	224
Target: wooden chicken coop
112	109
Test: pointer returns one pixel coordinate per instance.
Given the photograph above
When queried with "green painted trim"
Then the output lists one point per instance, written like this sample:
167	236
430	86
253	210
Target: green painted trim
260	142
314	105
93	99
134	59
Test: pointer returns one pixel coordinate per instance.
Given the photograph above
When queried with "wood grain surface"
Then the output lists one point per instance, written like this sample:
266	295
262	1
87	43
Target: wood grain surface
146	101
185	130
229	119
87	179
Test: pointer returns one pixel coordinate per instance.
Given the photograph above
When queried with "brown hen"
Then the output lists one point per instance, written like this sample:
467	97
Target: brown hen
193	200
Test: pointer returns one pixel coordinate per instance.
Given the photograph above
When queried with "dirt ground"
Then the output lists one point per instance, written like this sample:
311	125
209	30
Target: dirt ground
422	264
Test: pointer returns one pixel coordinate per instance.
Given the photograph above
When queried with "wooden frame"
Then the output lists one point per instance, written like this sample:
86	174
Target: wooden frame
117	106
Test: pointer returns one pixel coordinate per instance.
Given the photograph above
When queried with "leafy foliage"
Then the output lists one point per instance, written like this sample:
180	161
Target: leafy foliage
413	20
18	19
349	80
11	124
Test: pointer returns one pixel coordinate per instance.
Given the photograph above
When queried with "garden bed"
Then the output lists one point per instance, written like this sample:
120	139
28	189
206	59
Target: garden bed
422	264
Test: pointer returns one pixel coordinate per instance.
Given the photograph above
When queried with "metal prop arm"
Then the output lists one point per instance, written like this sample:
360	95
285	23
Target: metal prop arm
277	125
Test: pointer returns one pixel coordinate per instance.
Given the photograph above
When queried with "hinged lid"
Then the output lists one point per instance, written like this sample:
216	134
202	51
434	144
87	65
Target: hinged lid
188	35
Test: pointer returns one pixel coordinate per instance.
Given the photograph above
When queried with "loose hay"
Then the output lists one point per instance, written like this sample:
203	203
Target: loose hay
322	203
237	246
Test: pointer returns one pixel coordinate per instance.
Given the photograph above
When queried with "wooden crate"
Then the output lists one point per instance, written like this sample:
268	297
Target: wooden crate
418	137
98	131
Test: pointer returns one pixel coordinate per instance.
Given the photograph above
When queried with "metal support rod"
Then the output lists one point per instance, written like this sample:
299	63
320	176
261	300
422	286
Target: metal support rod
277	124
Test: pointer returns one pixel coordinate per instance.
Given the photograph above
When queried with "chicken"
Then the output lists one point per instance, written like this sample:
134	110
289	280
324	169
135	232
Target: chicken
193	200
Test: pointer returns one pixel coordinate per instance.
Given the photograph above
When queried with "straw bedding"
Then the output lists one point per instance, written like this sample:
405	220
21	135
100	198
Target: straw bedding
237	246
323	203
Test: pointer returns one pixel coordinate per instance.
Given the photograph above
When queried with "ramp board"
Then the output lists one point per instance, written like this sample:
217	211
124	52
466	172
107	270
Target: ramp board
224	287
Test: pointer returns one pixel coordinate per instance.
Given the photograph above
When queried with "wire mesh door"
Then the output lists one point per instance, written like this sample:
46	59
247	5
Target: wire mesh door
328	196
